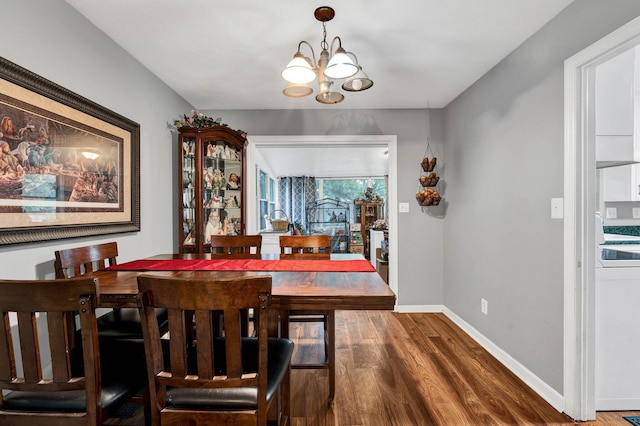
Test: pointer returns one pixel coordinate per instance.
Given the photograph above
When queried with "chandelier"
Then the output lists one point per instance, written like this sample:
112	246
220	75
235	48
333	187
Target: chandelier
332	65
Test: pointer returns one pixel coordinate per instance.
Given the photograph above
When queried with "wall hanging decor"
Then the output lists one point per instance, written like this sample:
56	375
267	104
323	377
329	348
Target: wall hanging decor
429	182
68	166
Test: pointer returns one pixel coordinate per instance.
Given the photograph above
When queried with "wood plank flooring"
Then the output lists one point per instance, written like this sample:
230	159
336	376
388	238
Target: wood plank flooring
410	369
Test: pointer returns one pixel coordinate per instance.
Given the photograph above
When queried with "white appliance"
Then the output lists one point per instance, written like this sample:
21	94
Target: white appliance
617	334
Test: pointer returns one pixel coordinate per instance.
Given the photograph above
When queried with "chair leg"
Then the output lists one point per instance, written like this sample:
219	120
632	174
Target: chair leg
146	398
285	394
284	324
331	328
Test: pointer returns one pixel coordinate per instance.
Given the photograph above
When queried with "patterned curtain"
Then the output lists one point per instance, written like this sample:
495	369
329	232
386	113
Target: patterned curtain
295	195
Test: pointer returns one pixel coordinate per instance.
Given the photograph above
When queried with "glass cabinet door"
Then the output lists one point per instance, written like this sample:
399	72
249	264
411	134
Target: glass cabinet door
221	189
188	192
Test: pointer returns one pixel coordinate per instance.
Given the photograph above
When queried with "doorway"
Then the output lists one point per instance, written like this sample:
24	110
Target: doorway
388	142
579	213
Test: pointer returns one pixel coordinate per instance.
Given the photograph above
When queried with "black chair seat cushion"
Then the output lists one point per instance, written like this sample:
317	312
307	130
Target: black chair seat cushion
123	372
125	323
280	351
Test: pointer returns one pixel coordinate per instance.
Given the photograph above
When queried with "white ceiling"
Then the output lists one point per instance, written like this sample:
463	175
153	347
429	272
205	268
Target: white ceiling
228	54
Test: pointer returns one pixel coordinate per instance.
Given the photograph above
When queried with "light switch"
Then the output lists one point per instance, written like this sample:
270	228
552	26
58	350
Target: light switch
403	207
611	213
557	208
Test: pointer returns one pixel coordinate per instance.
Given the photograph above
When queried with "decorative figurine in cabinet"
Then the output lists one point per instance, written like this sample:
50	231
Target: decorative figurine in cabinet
212	196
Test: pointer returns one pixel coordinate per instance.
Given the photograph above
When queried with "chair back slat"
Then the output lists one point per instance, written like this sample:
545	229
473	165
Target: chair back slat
305	247
82	260
179	341
205	322
239	246
233	342
57	323
7	360
30	346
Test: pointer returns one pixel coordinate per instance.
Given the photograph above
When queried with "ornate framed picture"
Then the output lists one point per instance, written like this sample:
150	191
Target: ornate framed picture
68	166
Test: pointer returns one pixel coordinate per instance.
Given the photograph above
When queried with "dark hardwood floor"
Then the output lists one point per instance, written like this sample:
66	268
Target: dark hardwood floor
411	369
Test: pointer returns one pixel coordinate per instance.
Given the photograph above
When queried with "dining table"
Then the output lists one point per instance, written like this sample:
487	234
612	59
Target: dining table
346	281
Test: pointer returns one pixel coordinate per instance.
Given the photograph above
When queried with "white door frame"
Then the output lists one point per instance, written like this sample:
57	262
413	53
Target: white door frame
388	141
579	222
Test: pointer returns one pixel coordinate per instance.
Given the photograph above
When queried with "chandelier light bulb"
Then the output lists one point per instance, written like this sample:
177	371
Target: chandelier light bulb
358	82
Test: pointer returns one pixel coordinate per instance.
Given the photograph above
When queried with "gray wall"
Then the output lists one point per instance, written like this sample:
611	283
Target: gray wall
504	147
419	234
51	39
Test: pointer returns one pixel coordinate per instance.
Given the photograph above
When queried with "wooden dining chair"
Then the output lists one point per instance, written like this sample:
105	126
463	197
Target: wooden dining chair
123	323
311	247
212	380
305	247
239	246
44	379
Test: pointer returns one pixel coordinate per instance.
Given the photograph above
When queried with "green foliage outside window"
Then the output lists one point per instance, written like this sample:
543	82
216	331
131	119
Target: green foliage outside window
349	189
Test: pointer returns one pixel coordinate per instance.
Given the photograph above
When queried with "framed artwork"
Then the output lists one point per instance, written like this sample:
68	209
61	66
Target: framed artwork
68	166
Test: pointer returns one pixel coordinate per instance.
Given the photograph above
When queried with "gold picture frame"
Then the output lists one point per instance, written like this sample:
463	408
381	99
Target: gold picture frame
68	166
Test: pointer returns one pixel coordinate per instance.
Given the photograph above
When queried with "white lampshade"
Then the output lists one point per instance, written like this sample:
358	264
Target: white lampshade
326	96
359	82
340	65
299	70
297	90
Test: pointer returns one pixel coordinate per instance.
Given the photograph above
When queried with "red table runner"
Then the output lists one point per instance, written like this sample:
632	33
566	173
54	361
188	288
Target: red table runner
311	265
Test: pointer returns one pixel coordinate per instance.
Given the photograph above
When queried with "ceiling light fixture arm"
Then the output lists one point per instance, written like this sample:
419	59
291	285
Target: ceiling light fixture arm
312	61
339	45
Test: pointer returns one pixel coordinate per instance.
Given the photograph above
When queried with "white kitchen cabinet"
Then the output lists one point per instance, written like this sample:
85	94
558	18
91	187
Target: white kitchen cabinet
622	183
617	339
617	109
614	95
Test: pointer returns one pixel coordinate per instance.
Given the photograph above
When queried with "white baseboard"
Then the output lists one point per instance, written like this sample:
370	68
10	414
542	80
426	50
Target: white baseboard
534	382
407	309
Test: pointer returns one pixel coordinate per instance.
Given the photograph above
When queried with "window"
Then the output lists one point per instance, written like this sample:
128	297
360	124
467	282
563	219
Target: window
272	194
266	197
262	196
349	189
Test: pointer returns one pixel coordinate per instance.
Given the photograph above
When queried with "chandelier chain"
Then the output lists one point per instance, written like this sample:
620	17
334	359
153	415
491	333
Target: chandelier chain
324	44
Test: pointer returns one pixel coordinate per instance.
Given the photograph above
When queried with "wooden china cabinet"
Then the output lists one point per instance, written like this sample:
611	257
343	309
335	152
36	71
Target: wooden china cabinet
212	188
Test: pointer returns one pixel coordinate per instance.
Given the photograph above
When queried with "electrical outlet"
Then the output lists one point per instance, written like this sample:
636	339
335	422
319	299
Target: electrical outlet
636	212
611	213
484	306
